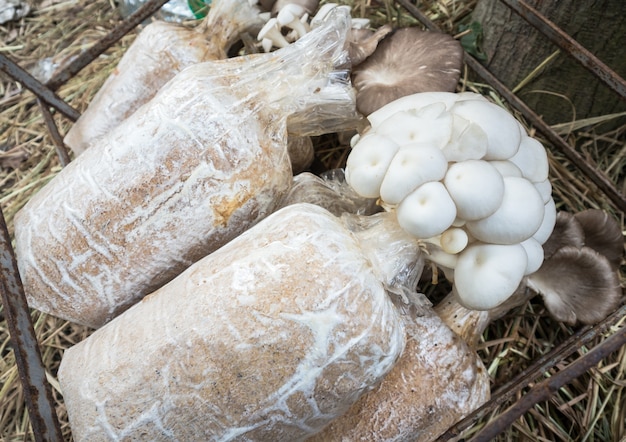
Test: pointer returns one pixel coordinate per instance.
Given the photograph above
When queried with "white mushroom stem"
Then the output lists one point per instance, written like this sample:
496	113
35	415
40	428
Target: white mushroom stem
470	324
271	31
289	17
360	23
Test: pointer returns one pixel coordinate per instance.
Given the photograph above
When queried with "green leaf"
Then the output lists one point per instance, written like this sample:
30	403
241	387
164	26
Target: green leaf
472	40
200	8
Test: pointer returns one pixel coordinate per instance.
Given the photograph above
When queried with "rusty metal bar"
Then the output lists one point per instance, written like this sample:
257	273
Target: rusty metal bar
57	139
37	393
509	389
546	389
599	179
14	71
145	11
556	35
593	173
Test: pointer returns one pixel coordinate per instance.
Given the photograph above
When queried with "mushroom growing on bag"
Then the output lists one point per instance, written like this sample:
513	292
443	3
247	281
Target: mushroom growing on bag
200	163
160	51
270	337
462	175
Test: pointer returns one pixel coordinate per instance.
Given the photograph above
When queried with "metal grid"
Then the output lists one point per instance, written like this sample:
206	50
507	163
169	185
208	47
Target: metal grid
37	391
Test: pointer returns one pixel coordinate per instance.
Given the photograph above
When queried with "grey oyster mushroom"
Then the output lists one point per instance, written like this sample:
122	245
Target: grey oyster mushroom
406	62
363	42
578	279
603	234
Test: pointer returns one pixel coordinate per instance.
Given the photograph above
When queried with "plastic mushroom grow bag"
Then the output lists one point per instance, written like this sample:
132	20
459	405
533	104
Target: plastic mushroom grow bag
200	163
439	378
160	51
271	337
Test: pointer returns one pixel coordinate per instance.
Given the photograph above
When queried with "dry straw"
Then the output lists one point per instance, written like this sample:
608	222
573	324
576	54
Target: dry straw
589	408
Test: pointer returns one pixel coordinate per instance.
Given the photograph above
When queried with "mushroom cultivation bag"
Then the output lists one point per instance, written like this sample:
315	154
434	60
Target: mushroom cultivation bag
439	378
160	51
269	338
200	163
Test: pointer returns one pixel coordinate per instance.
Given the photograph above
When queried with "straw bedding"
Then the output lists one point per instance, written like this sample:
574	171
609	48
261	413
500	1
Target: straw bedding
591	407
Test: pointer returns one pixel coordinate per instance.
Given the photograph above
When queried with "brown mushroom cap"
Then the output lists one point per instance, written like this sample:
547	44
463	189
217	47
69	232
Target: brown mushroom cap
363	42
577	284
567	232
406	62
603	234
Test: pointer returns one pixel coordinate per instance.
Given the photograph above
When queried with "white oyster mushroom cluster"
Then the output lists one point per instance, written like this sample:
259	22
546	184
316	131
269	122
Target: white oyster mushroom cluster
463	175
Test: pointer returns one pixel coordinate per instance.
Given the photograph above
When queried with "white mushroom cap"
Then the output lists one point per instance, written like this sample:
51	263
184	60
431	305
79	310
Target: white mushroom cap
368	162
467	142
532	159
518	217
506	168
430	124
415	102
454	240
534	253
412	166
476	188
427	211
486	275
502	128
545	190
547	224
310	6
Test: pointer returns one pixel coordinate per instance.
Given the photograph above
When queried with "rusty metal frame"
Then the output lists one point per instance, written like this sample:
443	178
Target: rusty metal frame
37	391
32	373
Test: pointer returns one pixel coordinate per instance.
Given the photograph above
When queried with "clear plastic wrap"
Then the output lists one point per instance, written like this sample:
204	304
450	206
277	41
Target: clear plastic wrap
330	191
160	51
193	168
439	378
268	338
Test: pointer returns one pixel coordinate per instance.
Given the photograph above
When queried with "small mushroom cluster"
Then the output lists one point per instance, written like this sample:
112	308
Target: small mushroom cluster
292	16
463	175
289	20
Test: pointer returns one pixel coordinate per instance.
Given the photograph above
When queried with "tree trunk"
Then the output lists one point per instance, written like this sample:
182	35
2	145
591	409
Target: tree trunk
514	49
